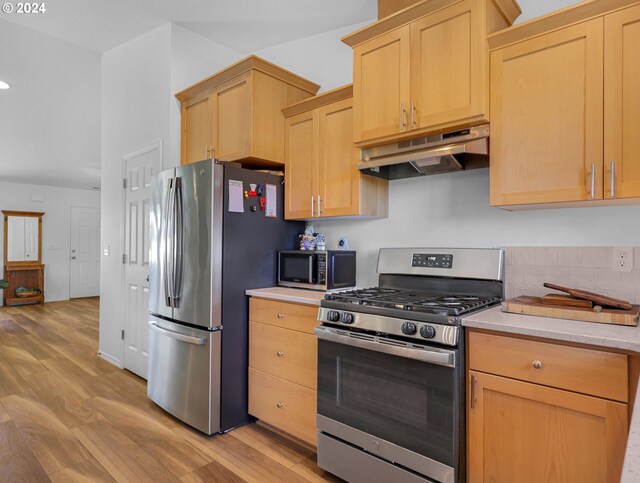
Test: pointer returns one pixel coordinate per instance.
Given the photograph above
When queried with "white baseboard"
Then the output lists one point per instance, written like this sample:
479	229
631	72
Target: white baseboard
116	362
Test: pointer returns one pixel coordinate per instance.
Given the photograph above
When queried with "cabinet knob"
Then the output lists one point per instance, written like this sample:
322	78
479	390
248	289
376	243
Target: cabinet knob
280	405
279	353
280	316
537	364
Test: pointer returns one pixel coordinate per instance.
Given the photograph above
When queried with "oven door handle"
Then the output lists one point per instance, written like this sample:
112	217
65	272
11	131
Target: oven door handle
430	355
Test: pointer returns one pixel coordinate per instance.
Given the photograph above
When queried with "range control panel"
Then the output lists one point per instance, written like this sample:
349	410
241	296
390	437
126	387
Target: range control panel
432	261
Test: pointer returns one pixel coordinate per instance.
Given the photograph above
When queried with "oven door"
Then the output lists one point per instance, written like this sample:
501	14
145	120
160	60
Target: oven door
398	402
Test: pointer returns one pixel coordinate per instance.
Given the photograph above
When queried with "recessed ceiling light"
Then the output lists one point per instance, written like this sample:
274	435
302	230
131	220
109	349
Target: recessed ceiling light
4	85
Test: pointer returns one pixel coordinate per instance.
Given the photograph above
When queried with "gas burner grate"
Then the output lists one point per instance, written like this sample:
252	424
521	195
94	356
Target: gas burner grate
413	301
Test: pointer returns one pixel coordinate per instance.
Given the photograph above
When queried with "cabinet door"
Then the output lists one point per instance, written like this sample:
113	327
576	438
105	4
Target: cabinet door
300	157
338	157
233	119
546	117
448	84
622	103
197	129
520	431
381	82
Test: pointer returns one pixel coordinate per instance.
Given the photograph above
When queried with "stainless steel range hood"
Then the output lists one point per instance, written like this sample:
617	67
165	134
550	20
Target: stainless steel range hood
440	153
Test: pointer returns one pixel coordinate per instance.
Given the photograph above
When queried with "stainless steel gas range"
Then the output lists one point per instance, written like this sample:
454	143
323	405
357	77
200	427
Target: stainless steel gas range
391	366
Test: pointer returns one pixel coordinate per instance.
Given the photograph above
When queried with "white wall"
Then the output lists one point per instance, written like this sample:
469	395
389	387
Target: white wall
55	227
322	58
452	210
135	114
50	127
193	58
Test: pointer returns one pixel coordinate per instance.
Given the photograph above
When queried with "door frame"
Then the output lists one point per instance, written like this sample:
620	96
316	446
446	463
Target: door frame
156	145
99	208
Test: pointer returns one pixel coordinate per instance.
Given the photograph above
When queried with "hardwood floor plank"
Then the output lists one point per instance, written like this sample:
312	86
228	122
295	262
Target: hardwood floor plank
9	327
17	462
214	471
119	455
78	379
10	381
21	360
33	345
156	439
70	408
51	442
252	465
83	472
4	415
280	449
88	360
310	471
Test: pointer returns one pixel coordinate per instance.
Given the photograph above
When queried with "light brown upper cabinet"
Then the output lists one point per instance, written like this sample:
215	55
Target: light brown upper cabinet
236	114
322	178
565	107
424	69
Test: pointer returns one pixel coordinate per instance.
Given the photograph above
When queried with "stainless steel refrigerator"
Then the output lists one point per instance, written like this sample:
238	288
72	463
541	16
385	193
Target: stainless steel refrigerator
208	245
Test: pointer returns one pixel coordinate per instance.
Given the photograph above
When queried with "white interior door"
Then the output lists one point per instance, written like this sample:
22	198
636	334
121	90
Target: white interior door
84	265
138	168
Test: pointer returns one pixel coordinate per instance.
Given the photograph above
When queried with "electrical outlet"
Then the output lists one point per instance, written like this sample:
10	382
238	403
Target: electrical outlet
622	259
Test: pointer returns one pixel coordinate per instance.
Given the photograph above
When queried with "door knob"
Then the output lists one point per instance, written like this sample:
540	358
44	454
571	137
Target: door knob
147	278
73	258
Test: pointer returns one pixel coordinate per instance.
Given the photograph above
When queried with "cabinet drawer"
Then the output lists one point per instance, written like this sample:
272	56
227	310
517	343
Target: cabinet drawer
284	314
285	353
586	371
283	404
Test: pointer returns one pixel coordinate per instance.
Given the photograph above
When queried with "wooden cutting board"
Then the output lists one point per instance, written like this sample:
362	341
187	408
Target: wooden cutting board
565	300
533	306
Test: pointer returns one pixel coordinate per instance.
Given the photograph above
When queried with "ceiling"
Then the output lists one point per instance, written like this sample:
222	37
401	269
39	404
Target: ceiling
37	144
243	25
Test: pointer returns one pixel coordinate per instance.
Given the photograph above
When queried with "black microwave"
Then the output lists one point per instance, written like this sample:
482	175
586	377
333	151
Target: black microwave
317	270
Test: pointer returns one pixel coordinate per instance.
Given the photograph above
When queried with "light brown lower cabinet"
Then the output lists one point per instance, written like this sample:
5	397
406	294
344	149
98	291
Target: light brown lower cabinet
520	429
283	366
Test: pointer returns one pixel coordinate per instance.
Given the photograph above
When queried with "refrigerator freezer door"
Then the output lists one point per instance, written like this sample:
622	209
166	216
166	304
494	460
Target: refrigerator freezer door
197	272
184	373
160	260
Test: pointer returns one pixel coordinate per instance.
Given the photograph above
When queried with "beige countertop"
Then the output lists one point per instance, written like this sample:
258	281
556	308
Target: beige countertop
602	335
298	295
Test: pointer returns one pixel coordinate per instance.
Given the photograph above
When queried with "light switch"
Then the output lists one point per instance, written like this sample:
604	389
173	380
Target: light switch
105	250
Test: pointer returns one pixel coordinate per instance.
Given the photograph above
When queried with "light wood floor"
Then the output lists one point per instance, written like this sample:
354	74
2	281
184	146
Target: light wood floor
67	415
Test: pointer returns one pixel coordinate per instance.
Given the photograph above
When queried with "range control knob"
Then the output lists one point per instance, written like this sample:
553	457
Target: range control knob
427	332
408	328
333	316
346	318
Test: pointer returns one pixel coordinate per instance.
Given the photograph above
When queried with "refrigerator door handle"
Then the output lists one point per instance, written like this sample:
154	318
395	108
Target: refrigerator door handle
175	335
168	248
178	242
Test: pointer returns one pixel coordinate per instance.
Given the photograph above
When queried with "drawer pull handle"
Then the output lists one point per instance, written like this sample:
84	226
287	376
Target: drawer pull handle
279	353
280	316
280	405
537	364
